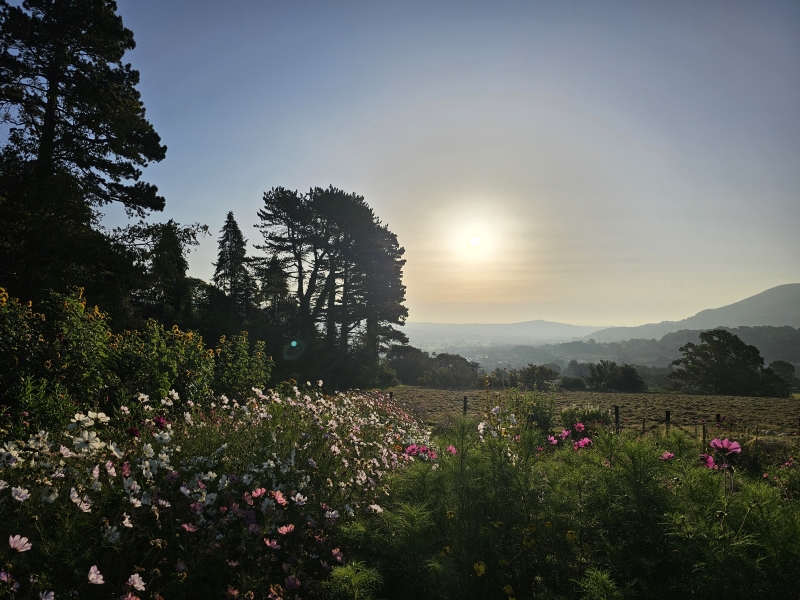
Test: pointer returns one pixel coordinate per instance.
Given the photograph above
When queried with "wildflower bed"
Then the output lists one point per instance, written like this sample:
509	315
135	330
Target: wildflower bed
167	498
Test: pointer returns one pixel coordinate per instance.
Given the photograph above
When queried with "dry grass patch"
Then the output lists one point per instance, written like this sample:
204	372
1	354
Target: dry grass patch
436	407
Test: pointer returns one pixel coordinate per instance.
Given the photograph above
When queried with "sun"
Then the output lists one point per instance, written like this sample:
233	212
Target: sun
474	241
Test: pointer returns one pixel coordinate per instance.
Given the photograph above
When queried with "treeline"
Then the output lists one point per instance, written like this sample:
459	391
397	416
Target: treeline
324	291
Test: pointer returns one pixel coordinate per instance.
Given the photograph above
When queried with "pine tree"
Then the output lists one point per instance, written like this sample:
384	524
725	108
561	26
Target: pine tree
232	274
72	105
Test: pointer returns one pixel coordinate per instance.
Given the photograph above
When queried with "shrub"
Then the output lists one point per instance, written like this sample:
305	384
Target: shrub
573	383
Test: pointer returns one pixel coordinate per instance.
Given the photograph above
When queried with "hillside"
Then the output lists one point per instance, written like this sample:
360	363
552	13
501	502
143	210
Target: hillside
438	335
776	307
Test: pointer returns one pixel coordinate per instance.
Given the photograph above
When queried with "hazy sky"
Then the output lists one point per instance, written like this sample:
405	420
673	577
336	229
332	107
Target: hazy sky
620	162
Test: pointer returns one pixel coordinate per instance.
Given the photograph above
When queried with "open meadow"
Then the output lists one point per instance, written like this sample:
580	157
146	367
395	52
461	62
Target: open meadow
778	415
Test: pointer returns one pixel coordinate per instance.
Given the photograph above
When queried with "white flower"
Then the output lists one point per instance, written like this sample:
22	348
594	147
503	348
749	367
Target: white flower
3	485
85	504
99	416
94	576
87	441
111	534
162	437
147	451
20	494
112	472
319	383
135	502
81	420
512	419
126	520
116	450
174	395
136	582
332	514
188	418
247	479
375	508
299	499
125	410
47	595
143	397
496	410
50	495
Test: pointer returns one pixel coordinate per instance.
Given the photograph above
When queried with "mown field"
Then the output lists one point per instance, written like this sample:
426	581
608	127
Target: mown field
771	415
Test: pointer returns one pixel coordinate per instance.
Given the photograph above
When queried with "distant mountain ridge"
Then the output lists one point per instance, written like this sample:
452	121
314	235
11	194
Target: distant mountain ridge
436	335
775	307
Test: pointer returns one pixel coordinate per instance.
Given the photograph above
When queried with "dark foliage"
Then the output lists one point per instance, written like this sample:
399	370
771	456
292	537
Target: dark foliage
723	364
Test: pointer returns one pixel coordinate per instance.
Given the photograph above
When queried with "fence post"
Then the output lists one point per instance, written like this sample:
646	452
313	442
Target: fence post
391	395
465	406
616	418
717	418
667	422
642	425
704	436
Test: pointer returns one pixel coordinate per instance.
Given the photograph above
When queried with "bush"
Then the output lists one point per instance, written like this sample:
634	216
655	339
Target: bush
573	383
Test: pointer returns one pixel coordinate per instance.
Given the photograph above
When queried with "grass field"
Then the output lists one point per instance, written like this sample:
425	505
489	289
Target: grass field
773	415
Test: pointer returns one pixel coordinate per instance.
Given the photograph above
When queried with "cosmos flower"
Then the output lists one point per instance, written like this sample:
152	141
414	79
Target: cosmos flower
20	494
136	582
95	576
726	446
286	529
19	543
666	456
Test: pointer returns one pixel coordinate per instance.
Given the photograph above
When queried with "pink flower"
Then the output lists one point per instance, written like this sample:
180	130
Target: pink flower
551	439
279	498
708	460
726	446
451	449
666	456
583	443
189	527
337	554
286	529
579	426
412	450
136	582
432	455
259	492
129	596
19	543
564	434
112	472
126	469
20	494
94	576
272	544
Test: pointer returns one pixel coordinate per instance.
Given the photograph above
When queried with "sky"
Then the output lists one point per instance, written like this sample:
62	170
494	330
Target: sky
595	163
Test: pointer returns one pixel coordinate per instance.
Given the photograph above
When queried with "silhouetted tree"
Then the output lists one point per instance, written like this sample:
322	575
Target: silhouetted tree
537	377
723	364
232	274
72	105
345	265
784	370
75	138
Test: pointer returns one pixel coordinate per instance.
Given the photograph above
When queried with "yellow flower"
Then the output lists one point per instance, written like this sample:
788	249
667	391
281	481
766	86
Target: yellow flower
480	568
508	589
571	536
548	524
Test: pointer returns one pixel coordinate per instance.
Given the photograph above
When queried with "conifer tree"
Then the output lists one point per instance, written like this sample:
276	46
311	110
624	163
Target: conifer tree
232	273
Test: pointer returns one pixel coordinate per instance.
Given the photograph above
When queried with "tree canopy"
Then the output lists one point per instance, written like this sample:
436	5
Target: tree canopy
723	364
72	105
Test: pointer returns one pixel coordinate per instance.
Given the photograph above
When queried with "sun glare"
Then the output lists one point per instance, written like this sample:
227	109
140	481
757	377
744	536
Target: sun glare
474	241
